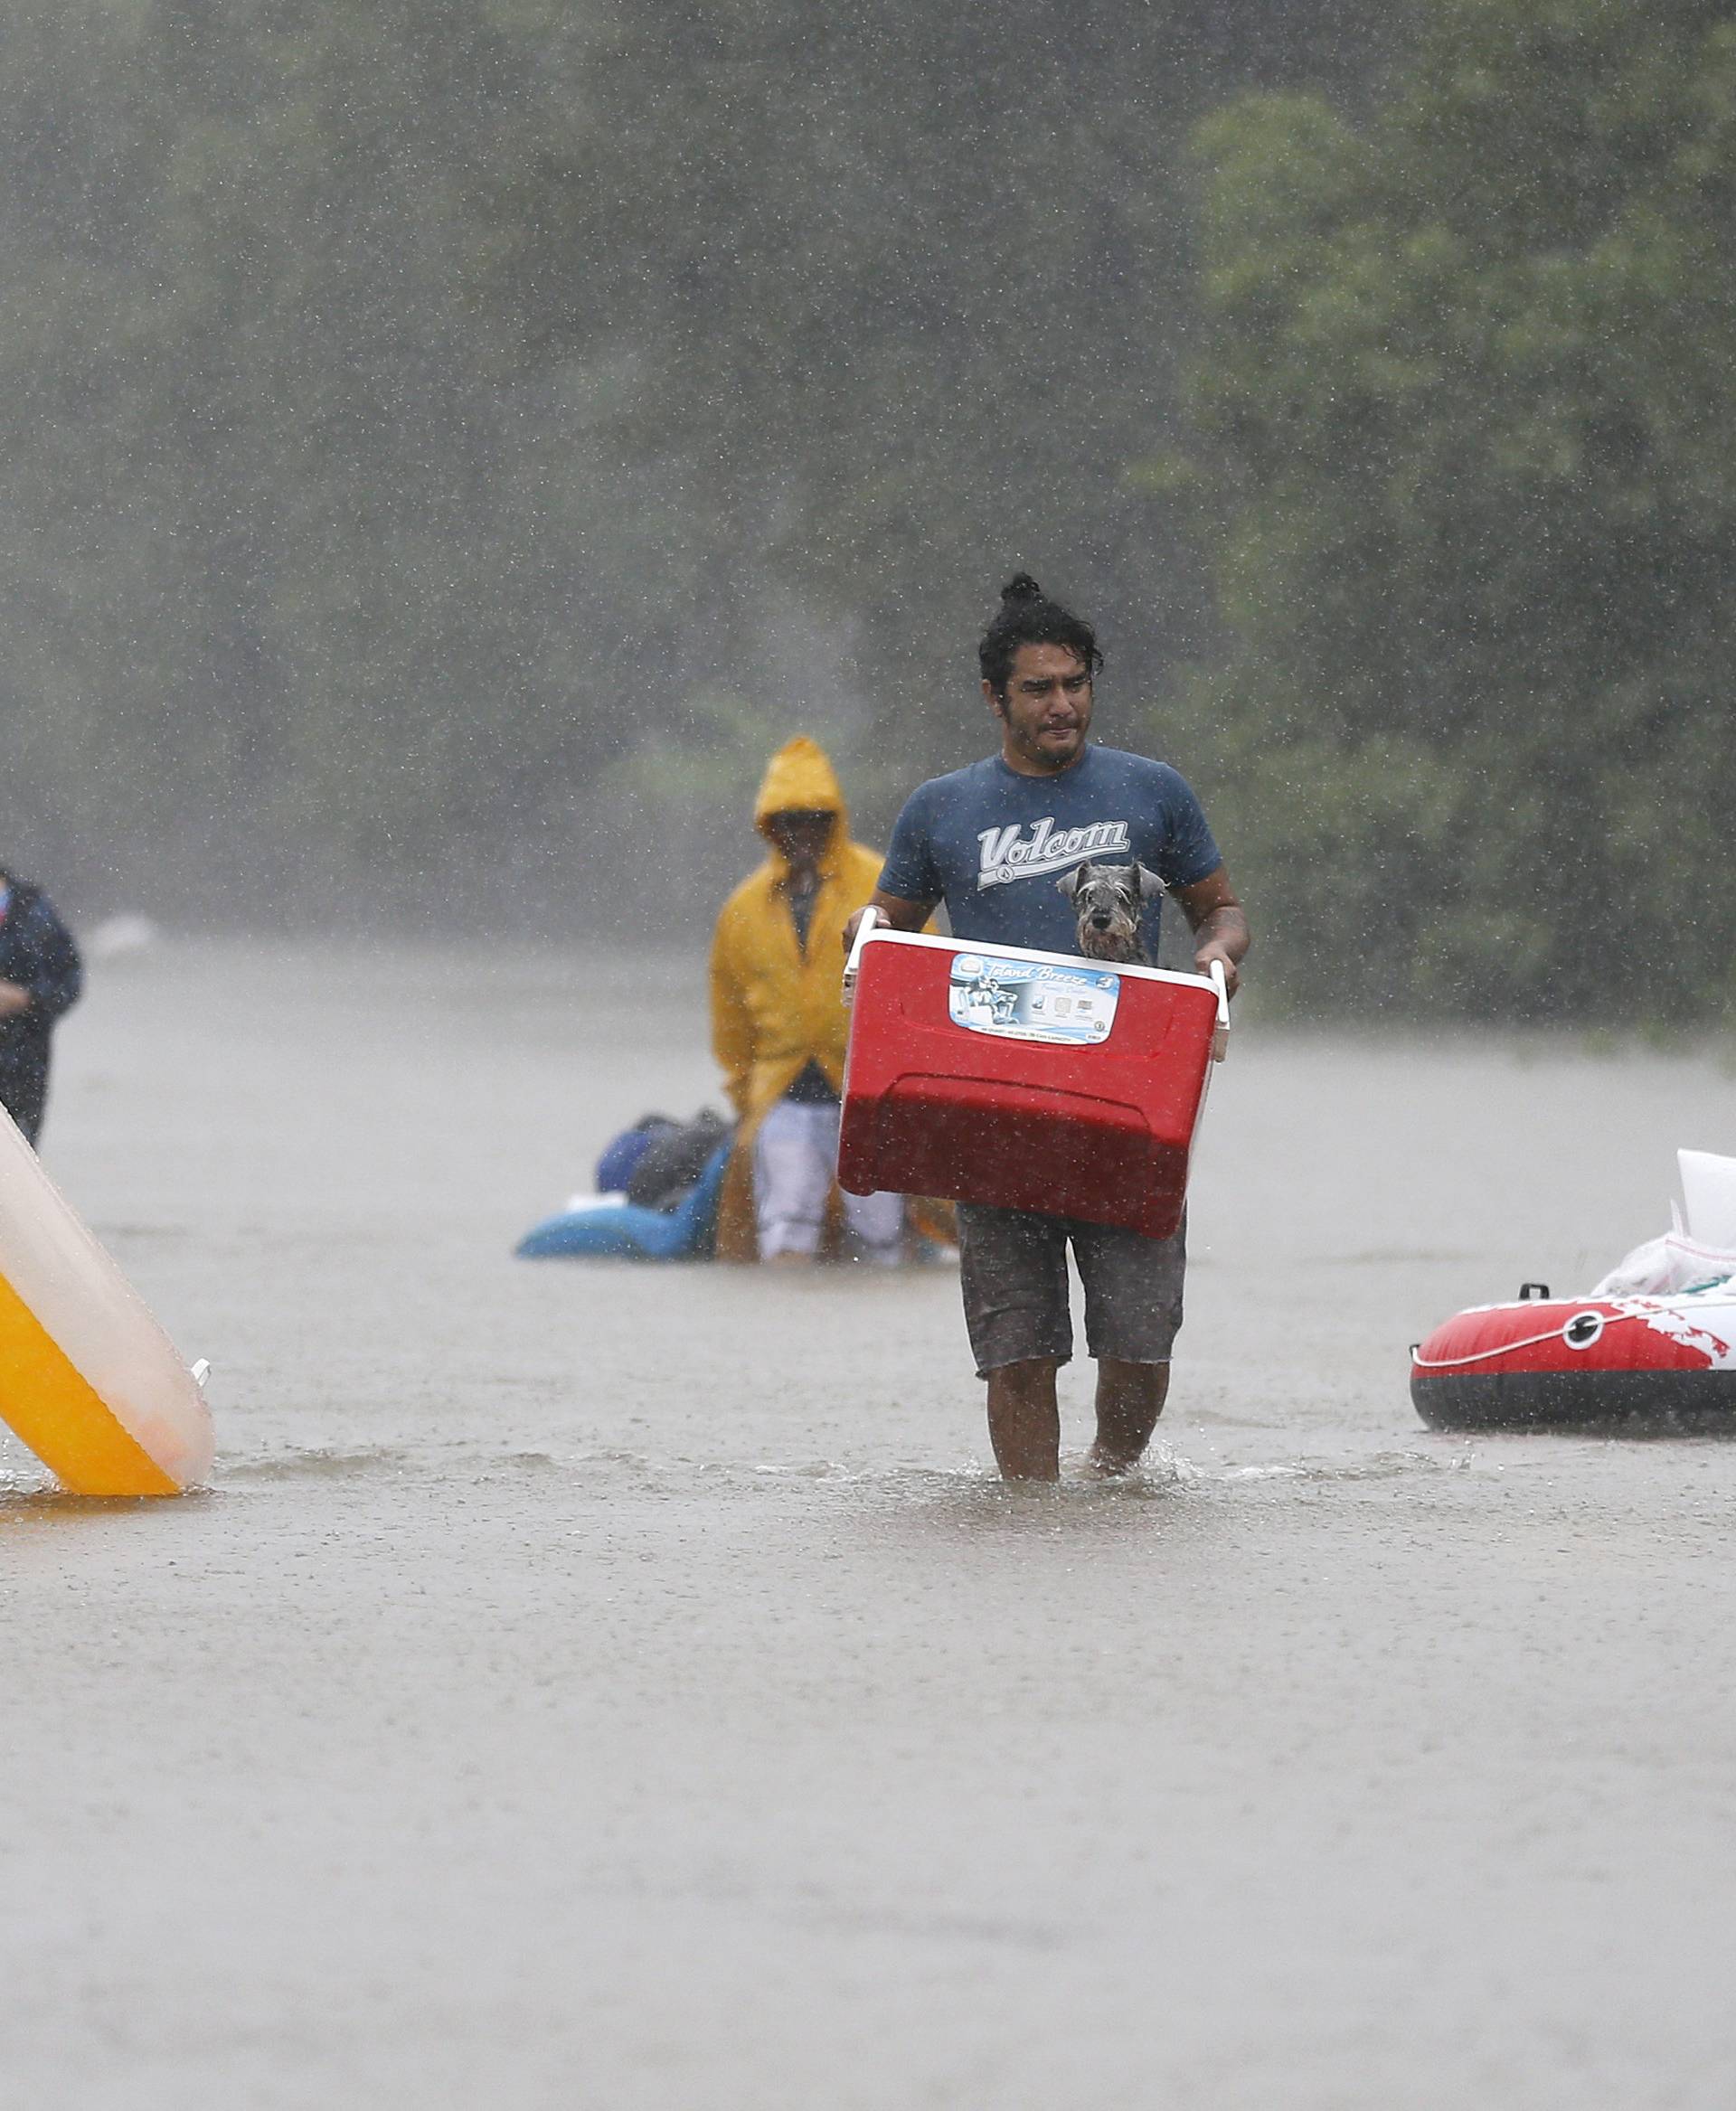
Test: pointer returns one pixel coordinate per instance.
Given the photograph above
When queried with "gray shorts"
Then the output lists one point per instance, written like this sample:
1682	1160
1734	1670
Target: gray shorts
1012	1266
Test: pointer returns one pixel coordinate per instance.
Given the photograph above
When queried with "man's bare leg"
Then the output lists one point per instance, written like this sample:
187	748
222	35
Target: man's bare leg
1023	1420
1129	1400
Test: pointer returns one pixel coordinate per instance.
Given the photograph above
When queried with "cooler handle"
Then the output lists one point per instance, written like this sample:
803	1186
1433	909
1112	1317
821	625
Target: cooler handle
872	920
1221	1032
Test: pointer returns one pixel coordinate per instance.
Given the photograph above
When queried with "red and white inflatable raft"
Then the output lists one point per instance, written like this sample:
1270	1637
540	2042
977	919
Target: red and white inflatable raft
1583	1363
1651	1345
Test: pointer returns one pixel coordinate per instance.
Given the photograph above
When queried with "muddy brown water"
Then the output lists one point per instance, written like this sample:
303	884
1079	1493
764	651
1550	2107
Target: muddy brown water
589	1684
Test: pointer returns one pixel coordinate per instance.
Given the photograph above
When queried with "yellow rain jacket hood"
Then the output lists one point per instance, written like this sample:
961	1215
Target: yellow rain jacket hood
800	779
777	1004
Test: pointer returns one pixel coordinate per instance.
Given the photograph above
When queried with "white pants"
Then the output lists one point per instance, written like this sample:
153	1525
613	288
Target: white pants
794	1163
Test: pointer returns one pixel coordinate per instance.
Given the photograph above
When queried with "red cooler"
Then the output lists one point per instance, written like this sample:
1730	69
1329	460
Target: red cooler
1025	1081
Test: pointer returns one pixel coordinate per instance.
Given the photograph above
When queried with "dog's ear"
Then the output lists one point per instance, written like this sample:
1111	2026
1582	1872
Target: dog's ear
1071	883
1147	883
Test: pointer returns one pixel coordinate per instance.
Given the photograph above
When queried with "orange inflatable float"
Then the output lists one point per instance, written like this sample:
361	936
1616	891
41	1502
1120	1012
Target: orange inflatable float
88	1378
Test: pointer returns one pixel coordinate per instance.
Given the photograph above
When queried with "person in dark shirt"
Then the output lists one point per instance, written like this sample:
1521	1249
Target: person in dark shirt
41	977
990	841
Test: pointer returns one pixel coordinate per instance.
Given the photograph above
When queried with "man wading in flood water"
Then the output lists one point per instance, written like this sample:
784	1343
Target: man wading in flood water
990	841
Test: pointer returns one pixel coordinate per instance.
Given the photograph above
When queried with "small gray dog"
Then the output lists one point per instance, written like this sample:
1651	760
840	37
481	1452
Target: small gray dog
1109	900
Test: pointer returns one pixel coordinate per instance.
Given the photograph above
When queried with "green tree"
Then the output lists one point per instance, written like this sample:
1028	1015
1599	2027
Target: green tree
447	443
895	287
1467	474
244	589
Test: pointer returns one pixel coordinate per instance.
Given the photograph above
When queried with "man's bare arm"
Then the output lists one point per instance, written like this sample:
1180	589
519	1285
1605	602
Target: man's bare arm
902	915
1219	925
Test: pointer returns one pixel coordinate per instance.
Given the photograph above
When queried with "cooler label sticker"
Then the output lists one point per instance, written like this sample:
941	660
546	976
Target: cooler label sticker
1031	1000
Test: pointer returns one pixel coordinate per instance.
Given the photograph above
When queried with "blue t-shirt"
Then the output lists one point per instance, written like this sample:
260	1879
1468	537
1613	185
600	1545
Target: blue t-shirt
991	843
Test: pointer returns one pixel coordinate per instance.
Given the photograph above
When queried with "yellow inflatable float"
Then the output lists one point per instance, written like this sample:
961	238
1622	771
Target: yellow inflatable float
88	1377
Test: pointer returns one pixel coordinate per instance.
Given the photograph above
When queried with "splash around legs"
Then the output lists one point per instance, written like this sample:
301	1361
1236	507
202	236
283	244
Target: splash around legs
1025	1416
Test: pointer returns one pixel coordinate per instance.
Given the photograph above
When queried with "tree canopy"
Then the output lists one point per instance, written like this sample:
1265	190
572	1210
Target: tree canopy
1465	463
451	444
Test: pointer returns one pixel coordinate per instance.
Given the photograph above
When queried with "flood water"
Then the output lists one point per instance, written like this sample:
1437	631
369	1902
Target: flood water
596	1685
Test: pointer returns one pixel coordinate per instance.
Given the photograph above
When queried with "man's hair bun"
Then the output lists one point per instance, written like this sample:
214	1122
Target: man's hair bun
1026	616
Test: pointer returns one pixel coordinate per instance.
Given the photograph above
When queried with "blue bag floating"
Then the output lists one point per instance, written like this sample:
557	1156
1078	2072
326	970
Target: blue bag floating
622	1230
620	1159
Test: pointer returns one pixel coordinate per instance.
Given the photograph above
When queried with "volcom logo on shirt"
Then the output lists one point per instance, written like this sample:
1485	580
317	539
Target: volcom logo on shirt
1008	854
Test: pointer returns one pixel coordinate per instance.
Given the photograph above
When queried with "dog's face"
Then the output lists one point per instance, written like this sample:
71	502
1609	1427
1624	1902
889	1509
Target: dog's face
1108	900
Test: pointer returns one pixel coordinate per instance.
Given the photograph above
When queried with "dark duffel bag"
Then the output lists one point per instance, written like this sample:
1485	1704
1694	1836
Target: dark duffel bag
671	1164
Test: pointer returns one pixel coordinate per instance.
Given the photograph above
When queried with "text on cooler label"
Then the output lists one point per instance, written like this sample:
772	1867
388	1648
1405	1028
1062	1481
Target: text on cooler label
1031	1000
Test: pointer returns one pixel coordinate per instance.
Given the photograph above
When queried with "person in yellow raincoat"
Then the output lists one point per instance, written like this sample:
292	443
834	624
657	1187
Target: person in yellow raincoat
780	1028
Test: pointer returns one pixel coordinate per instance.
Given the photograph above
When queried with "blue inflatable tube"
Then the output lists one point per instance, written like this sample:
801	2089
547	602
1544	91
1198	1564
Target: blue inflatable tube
622	1230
